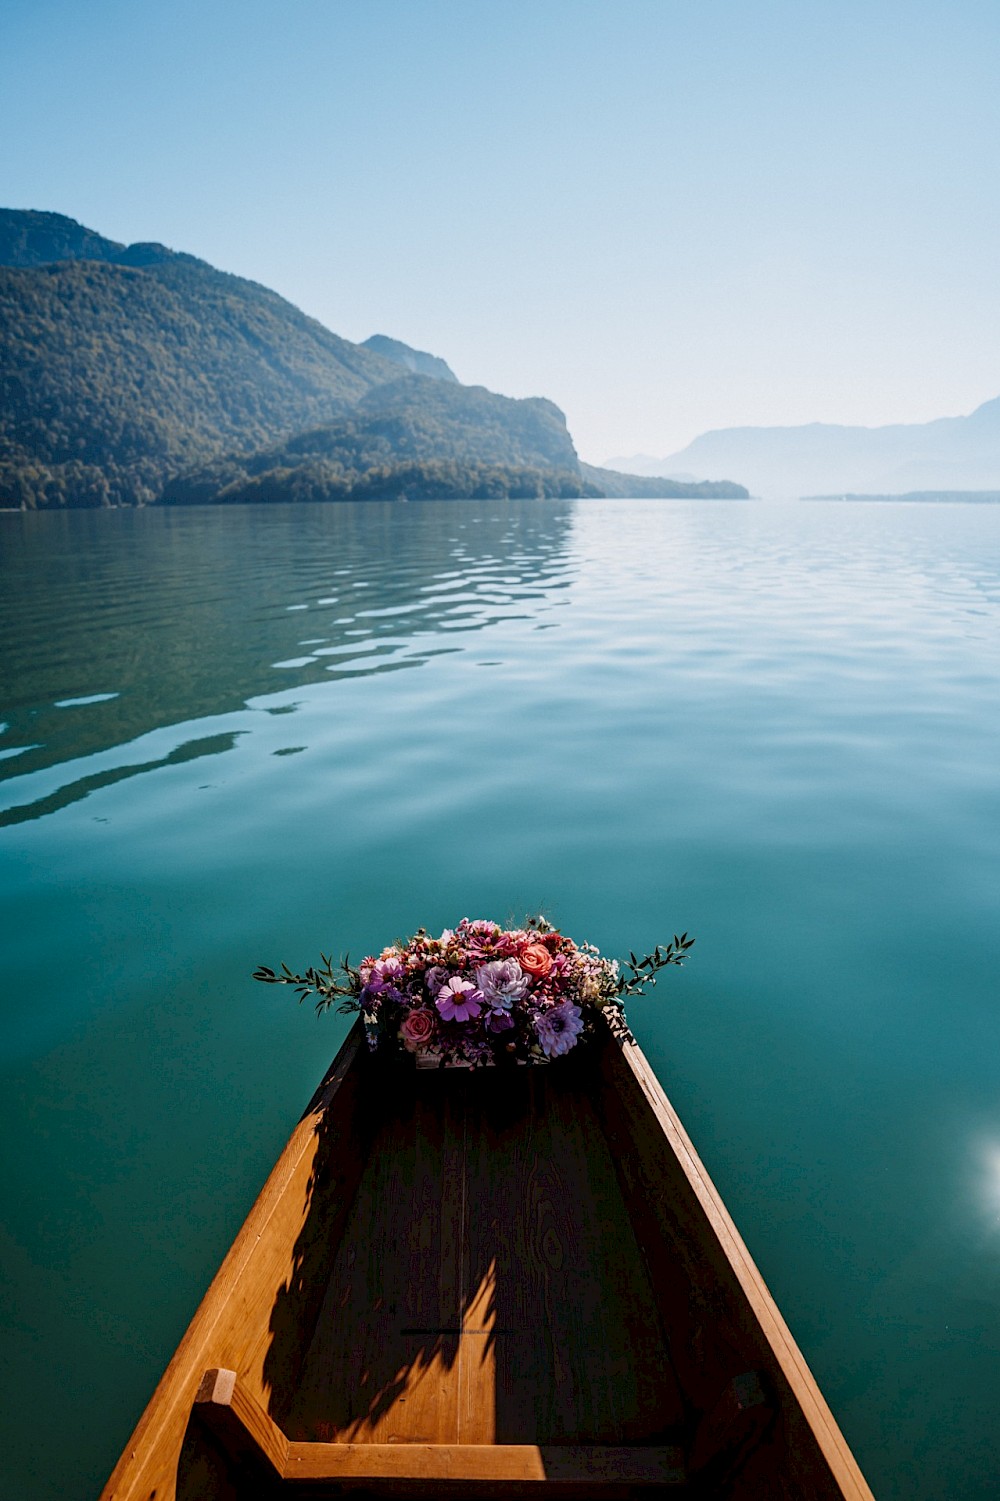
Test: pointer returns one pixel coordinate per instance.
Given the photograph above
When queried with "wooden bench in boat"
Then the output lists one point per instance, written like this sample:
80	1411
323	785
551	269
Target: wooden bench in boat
504	1284
266	1457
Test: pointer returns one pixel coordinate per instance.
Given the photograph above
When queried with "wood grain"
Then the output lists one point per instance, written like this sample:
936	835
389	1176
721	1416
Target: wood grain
576	1351
242	1427
382	1362
594	1472
488	1286
263	1458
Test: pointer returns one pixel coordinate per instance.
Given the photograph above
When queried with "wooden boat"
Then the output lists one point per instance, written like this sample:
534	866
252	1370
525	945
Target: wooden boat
513	1283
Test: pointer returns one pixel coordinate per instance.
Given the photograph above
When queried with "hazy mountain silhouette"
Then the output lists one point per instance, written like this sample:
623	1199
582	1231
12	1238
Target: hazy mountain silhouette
951	453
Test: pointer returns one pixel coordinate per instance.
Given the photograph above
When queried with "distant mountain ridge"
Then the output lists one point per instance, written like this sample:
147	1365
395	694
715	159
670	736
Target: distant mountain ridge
418	361
950	453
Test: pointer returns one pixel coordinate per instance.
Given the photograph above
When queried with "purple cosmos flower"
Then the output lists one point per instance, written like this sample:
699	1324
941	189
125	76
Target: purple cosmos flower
503	983
458	1000
558	1028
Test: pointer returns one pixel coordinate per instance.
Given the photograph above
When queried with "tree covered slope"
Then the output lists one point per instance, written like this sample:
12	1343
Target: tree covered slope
114	377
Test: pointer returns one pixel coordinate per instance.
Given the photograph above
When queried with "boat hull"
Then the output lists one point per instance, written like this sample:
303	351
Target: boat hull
507	1283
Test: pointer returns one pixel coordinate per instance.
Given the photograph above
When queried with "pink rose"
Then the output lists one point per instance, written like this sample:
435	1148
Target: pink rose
417	1028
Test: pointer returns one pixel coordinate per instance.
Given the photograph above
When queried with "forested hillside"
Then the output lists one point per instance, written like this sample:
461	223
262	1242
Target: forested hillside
412	439
114	378
126	370
31	238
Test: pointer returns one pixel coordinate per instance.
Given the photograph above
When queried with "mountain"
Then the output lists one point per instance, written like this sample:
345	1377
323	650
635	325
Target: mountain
409	439
127	367
950	453
415	360
30	238
117	374
644	463
132	374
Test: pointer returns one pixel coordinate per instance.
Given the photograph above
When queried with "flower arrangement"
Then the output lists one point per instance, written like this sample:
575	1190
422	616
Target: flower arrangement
481	994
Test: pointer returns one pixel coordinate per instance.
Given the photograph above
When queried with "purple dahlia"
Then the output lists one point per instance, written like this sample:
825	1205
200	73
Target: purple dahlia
558	1028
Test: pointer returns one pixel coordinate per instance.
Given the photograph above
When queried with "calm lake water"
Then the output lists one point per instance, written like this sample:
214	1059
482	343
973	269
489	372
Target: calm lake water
242	737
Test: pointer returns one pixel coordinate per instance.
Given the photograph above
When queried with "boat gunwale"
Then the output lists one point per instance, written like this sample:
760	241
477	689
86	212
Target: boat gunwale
773	1327
184	1371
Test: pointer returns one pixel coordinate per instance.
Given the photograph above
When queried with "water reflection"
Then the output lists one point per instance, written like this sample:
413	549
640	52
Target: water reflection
116	625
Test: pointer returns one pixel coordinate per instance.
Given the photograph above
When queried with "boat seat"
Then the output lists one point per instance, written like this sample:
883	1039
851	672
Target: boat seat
598	1472
479	1472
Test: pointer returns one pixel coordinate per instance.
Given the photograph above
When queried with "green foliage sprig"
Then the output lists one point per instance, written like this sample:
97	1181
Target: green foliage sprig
322	982
639	973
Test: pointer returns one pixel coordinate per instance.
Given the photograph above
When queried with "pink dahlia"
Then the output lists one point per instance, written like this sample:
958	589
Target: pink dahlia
502	983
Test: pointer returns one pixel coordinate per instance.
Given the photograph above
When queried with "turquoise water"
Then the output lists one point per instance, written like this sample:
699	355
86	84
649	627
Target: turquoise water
241	737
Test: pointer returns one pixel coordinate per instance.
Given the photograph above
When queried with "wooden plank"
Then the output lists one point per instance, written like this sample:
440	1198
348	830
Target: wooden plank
726	1320
261	1454
555	1469
488	1284
382	1365
479	1470
570	1348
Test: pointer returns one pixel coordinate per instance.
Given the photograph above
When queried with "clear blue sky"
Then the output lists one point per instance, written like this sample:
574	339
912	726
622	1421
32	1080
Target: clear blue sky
666	215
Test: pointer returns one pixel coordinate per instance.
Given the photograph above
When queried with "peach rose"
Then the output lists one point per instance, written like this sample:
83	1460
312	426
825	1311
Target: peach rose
417	1028
535	960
